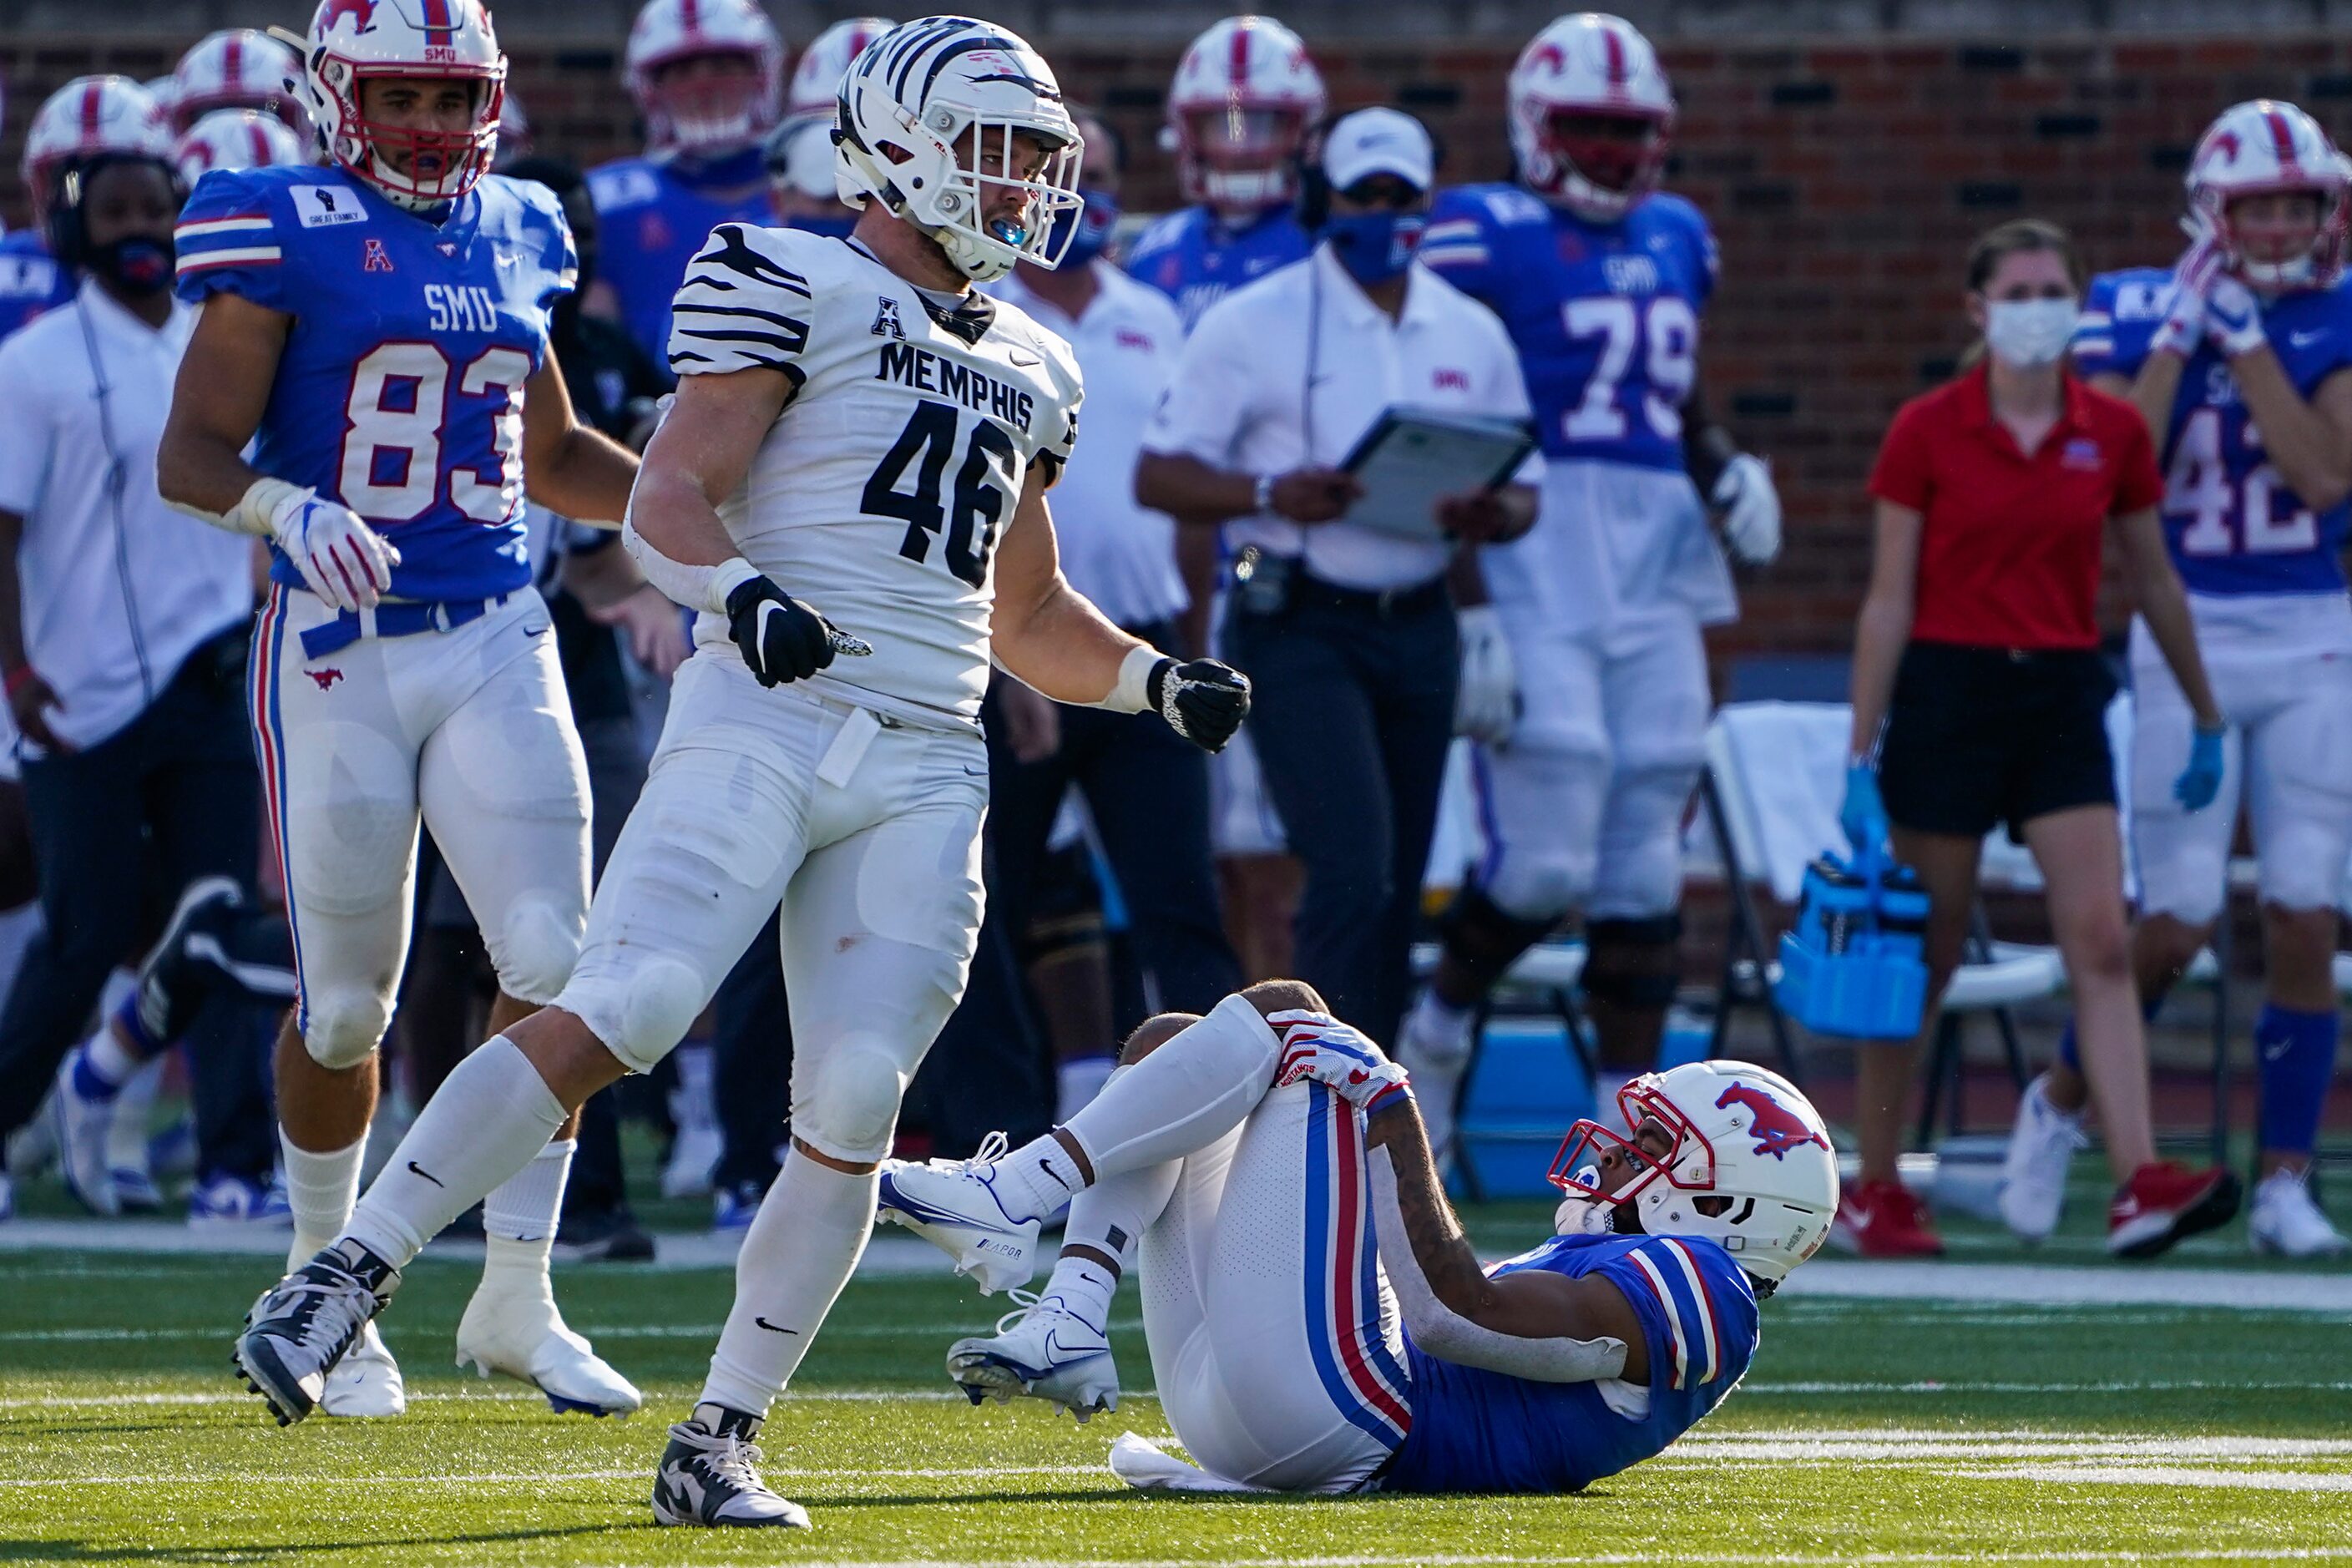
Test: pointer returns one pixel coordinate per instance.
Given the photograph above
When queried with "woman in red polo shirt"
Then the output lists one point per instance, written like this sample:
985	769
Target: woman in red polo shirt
1978	649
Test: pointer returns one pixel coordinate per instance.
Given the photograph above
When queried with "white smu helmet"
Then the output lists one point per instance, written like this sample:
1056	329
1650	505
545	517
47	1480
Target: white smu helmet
705	116
235	69
817	78
235	139
89	115
2259	148
1245	94
1748	1165
915	98
1590	66
351	40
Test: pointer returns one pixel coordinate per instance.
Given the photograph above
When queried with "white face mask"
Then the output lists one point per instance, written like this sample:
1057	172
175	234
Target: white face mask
2029	333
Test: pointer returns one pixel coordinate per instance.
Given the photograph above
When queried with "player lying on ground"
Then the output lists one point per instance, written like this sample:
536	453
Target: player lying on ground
826	386
1317	1319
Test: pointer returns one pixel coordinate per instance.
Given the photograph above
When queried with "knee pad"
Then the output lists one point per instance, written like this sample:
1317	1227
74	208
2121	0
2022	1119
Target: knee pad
535	949
2184	873
640	1015
1484	938
1540	811
851	1109
2303	865
1635	963
342	1026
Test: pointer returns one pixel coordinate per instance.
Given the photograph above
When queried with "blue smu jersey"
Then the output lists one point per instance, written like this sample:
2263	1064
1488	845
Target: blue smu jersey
1605	316
31	281
1193	259
654	216
2232	524
400	389
1481	1431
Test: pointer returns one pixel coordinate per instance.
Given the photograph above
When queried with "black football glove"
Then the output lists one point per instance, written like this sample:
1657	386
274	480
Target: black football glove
1204	701
780	637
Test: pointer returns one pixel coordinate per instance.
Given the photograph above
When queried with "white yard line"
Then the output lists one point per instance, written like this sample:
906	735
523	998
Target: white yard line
1964	1385
2174	1476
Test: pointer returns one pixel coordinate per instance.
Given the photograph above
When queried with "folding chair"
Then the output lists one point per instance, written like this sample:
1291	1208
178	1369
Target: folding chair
1775	773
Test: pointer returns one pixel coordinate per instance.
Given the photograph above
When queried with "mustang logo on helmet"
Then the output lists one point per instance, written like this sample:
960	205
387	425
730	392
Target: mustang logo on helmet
361	12
1776	1129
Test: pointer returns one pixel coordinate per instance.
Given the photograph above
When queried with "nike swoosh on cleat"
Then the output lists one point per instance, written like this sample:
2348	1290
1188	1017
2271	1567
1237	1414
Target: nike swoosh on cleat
416	1169
772	1327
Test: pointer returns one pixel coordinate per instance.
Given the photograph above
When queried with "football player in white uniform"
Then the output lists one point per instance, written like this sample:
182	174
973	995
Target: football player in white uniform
856	423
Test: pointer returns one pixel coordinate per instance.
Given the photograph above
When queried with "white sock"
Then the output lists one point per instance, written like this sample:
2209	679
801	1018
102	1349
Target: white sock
519	1220
321	1190
489	1119
1438	1028
1191	1091
800	1251
691	1106
109	1059
1077	1081
1110	1217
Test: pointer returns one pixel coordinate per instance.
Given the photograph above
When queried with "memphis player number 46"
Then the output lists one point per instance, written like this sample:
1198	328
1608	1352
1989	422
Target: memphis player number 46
392	426
976	505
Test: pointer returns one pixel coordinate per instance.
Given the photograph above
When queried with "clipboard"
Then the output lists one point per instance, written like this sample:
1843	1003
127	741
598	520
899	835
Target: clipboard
1410	459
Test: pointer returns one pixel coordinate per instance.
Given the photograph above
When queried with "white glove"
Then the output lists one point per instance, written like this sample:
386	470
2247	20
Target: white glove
2234	317
1486	704
1317	1045
1750	509
345	561
2192	278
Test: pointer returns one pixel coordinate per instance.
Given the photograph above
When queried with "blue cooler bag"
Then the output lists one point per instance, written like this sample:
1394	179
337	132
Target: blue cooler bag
1853	966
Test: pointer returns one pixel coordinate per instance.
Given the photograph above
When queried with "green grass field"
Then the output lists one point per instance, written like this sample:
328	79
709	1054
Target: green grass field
1869	1430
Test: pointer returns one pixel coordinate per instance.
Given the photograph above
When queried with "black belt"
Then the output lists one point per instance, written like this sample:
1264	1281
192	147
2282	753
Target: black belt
1382	603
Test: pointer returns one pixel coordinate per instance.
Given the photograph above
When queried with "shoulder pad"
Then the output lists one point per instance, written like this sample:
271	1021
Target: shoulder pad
627	184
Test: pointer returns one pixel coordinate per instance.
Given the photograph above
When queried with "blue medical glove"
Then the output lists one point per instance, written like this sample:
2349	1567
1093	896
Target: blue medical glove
2200	781
1863	813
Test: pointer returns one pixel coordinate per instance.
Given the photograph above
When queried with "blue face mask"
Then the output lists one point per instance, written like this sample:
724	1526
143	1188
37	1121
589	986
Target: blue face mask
1093	224
1374	246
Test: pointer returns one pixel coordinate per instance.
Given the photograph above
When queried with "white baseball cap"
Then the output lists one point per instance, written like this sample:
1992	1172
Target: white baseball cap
1379	141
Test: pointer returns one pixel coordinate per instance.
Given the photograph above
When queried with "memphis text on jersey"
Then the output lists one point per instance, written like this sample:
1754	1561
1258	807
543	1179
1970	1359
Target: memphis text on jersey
982	394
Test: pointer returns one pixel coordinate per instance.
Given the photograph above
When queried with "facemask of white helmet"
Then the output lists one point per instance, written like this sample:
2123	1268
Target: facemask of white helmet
2029	333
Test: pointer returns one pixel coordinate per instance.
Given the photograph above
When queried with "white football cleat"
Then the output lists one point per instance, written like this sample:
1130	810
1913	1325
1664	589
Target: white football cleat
83	1123
2042	1144
521	1334
1044	1351
365	1385
2284	1220
950	1204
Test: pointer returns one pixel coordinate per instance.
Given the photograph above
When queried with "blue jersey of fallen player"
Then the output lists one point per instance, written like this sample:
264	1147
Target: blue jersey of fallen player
31	281
653	215
399	392
1192	256
2233	525
1605	315
1481	1431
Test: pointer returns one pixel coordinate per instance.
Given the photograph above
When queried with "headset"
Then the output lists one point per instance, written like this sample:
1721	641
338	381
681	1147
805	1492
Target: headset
68	229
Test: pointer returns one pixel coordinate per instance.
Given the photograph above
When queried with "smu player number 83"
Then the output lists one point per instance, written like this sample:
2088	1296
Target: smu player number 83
390	469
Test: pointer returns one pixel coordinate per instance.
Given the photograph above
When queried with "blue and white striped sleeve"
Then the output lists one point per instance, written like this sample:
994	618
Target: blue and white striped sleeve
228	241
1699	1316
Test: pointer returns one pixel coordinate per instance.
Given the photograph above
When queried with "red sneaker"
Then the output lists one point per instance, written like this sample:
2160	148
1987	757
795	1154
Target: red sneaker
2164	1202
1883	1219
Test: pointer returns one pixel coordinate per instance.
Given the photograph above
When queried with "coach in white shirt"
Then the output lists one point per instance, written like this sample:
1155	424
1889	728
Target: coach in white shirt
122	635
1346	631
1147	789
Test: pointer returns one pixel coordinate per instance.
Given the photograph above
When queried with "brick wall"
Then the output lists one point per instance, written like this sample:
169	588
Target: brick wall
1844	179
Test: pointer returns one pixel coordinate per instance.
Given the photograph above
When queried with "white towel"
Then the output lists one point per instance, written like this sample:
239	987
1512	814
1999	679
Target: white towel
1144	1464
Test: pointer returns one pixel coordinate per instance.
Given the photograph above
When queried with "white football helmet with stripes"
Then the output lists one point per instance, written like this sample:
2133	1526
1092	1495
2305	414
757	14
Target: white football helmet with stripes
236	67
2260	148
88	115
436	40
932	119
1589	68
1728	1151
816	76
709	114
235	139
1244	94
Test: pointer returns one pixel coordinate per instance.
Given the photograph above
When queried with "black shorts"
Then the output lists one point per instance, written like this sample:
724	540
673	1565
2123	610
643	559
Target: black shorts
1978	736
